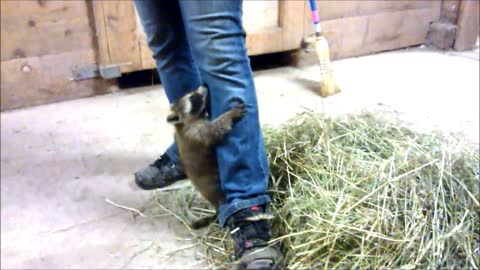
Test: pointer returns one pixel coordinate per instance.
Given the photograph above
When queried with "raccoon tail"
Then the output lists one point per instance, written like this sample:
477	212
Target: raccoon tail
203	222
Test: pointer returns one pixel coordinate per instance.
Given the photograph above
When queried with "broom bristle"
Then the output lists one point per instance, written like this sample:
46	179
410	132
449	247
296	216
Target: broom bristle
328	85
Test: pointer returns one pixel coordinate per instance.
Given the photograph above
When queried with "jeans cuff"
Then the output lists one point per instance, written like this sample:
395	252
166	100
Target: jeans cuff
236	205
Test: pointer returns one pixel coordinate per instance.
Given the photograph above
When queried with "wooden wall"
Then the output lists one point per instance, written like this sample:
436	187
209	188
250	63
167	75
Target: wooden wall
271	26
42	44
45	43
355	28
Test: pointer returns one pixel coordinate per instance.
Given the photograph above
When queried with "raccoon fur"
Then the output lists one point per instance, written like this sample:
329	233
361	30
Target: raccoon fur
196	138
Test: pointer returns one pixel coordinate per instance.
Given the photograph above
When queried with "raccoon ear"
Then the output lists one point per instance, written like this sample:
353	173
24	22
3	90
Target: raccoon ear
173	118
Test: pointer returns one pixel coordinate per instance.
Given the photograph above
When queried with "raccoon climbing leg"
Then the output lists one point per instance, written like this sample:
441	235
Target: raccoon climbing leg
223	124
211	133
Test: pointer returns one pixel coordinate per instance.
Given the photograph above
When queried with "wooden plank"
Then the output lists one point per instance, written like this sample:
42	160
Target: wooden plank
291	23
265	42
103	53
450	10
259	15
468	25
121	26
49	28
334	9
146	54
399	29
363	35
287	36
46	79
61	10
27	38
375	7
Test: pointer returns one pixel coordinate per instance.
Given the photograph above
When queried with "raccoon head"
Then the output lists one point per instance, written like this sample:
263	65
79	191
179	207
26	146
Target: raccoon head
189	107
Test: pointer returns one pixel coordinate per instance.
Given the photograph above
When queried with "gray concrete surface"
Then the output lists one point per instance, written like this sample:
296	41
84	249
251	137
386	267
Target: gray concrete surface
60	162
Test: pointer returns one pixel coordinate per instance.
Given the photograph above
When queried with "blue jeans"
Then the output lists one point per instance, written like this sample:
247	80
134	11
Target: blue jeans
203	42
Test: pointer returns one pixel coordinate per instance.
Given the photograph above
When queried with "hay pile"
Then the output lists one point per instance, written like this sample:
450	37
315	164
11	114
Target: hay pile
364	193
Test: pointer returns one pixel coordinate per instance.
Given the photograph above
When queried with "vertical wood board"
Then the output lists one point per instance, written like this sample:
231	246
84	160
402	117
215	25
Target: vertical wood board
468	25
121	34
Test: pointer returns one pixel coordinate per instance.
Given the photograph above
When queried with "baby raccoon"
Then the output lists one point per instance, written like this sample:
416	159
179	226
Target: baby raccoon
196	137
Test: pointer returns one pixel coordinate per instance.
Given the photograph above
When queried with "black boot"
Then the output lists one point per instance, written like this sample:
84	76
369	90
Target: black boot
250	230
161	173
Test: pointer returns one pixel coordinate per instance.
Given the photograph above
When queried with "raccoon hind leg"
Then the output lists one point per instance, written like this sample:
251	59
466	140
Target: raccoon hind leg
203	222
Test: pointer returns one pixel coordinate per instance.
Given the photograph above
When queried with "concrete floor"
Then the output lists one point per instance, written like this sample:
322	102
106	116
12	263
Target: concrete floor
60	162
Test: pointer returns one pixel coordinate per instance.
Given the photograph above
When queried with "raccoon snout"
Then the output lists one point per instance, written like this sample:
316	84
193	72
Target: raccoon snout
173	118
197	104
202	90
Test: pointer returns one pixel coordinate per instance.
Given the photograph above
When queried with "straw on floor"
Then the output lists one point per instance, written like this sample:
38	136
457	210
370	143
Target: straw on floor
363	192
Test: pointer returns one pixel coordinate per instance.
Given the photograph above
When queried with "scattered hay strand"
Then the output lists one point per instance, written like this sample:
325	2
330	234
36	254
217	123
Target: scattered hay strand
363	192
124	207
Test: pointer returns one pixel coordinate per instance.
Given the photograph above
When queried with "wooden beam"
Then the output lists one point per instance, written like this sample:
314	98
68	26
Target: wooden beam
46	79
441	33
103	54
121	33
468	25
449	12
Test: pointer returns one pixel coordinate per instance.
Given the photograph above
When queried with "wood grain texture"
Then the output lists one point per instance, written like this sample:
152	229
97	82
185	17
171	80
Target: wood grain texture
103	53
449	11
33	29
291	22
260	15
468	25
62	10
363	35
147	60
121	33
267	41
285	34
46	79
334	9
146	55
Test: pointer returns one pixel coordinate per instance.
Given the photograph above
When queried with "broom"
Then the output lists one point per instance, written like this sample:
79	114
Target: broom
328	85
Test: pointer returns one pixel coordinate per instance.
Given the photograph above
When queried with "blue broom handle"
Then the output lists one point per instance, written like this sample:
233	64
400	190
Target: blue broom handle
315	18
312	5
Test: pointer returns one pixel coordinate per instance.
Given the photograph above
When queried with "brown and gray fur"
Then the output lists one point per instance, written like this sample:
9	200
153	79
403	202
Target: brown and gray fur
196	138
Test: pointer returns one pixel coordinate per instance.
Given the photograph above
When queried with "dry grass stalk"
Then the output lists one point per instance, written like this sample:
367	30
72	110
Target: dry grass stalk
363	193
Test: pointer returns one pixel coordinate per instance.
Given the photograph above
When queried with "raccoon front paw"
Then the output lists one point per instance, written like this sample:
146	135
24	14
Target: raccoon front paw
239	111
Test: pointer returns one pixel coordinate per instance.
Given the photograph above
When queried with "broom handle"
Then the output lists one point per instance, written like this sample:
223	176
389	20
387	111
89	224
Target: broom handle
315	18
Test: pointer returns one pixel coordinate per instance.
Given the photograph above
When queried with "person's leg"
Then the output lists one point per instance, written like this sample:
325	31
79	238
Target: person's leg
217	38
163	26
